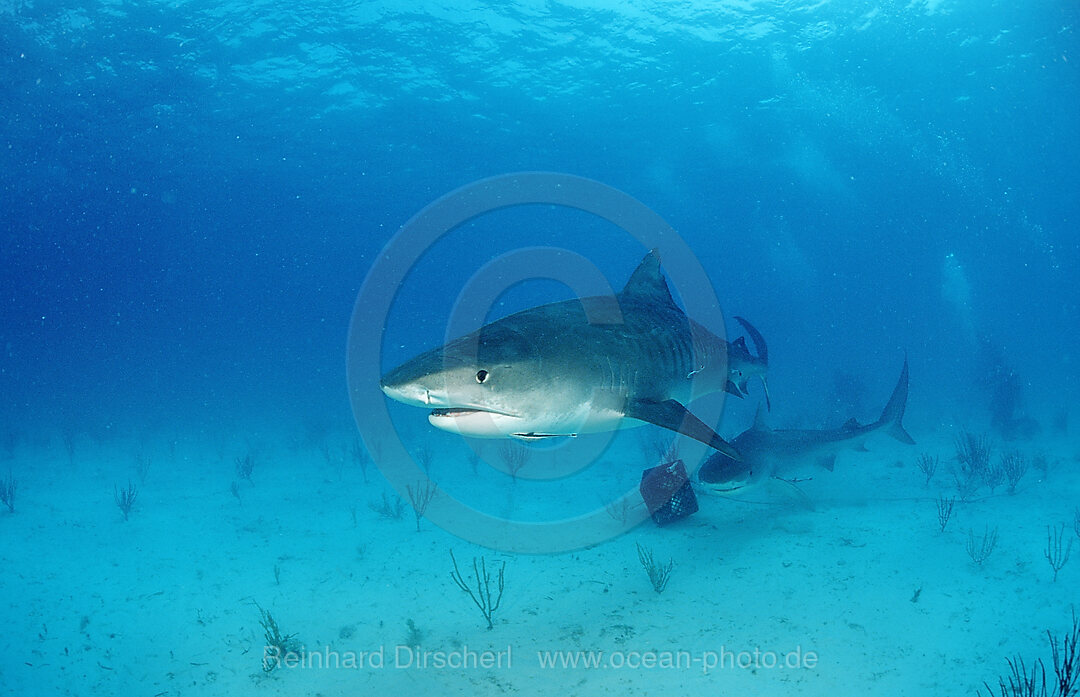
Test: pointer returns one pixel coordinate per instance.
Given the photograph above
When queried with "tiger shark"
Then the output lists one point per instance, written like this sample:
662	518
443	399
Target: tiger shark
768	454
587	365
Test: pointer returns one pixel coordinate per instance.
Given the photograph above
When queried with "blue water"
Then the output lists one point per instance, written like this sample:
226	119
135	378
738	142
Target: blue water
191	195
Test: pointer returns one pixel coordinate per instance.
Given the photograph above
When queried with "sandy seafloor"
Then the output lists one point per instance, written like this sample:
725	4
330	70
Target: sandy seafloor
165	603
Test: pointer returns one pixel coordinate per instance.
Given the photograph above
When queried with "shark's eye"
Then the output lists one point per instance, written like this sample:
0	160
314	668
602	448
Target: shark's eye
481	375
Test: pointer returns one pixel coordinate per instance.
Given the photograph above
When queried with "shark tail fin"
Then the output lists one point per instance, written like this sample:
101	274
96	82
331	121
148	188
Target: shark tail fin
893	415
759	341
763	355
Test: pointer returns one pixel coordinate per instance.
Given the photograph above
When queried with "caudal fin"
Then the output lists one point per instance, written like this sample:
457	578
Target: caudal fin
763	357
759	341
892	417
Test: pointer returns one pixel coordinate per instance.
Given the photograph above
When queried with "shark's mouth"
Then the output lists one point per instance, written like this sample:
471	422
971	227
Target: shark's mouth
455	411
475	422
722	486
717	489
459	412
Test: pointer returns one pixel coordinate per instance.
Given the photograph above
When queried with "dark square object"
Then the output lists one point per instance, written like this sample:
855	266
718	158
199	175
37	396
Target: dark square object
667	492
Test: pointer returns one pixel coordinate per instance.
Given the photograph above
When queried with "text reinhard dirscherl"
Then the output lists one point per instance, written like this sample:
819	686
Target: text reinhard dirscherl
402	657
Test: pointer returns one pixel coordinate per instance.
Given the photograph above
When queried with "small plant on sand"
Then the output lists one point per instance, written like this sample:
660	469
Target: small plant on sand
659	574
8	485
420	497
972	463
479	589
415	636
927	464
1021	683
1065	654
360	457
1057	553
424	458
125	498
657	448
389	508
244	467
514	456
944	511
973	451
993	476
619	510
278	647
1015	466
981	549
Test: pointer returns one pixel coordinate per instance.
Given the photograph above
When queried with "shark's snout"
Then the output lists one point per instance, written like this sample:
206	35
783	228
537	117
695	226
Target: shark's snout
723	473
412	383
418	394
406	392
454	410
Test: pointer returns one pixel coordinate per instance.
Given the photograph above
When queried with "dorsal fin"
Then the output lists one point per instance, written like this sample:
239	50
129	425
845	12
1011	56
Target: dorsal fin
647	284
851	425
740	343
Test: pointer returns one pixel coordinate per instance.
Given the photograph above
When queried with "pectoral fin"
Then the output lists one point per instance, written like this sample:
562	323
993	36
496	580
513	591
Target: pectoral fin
671	415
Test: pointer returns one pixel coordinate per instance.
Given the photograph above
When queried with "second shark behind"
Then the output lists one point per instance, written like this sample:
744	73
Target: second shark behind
768	454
